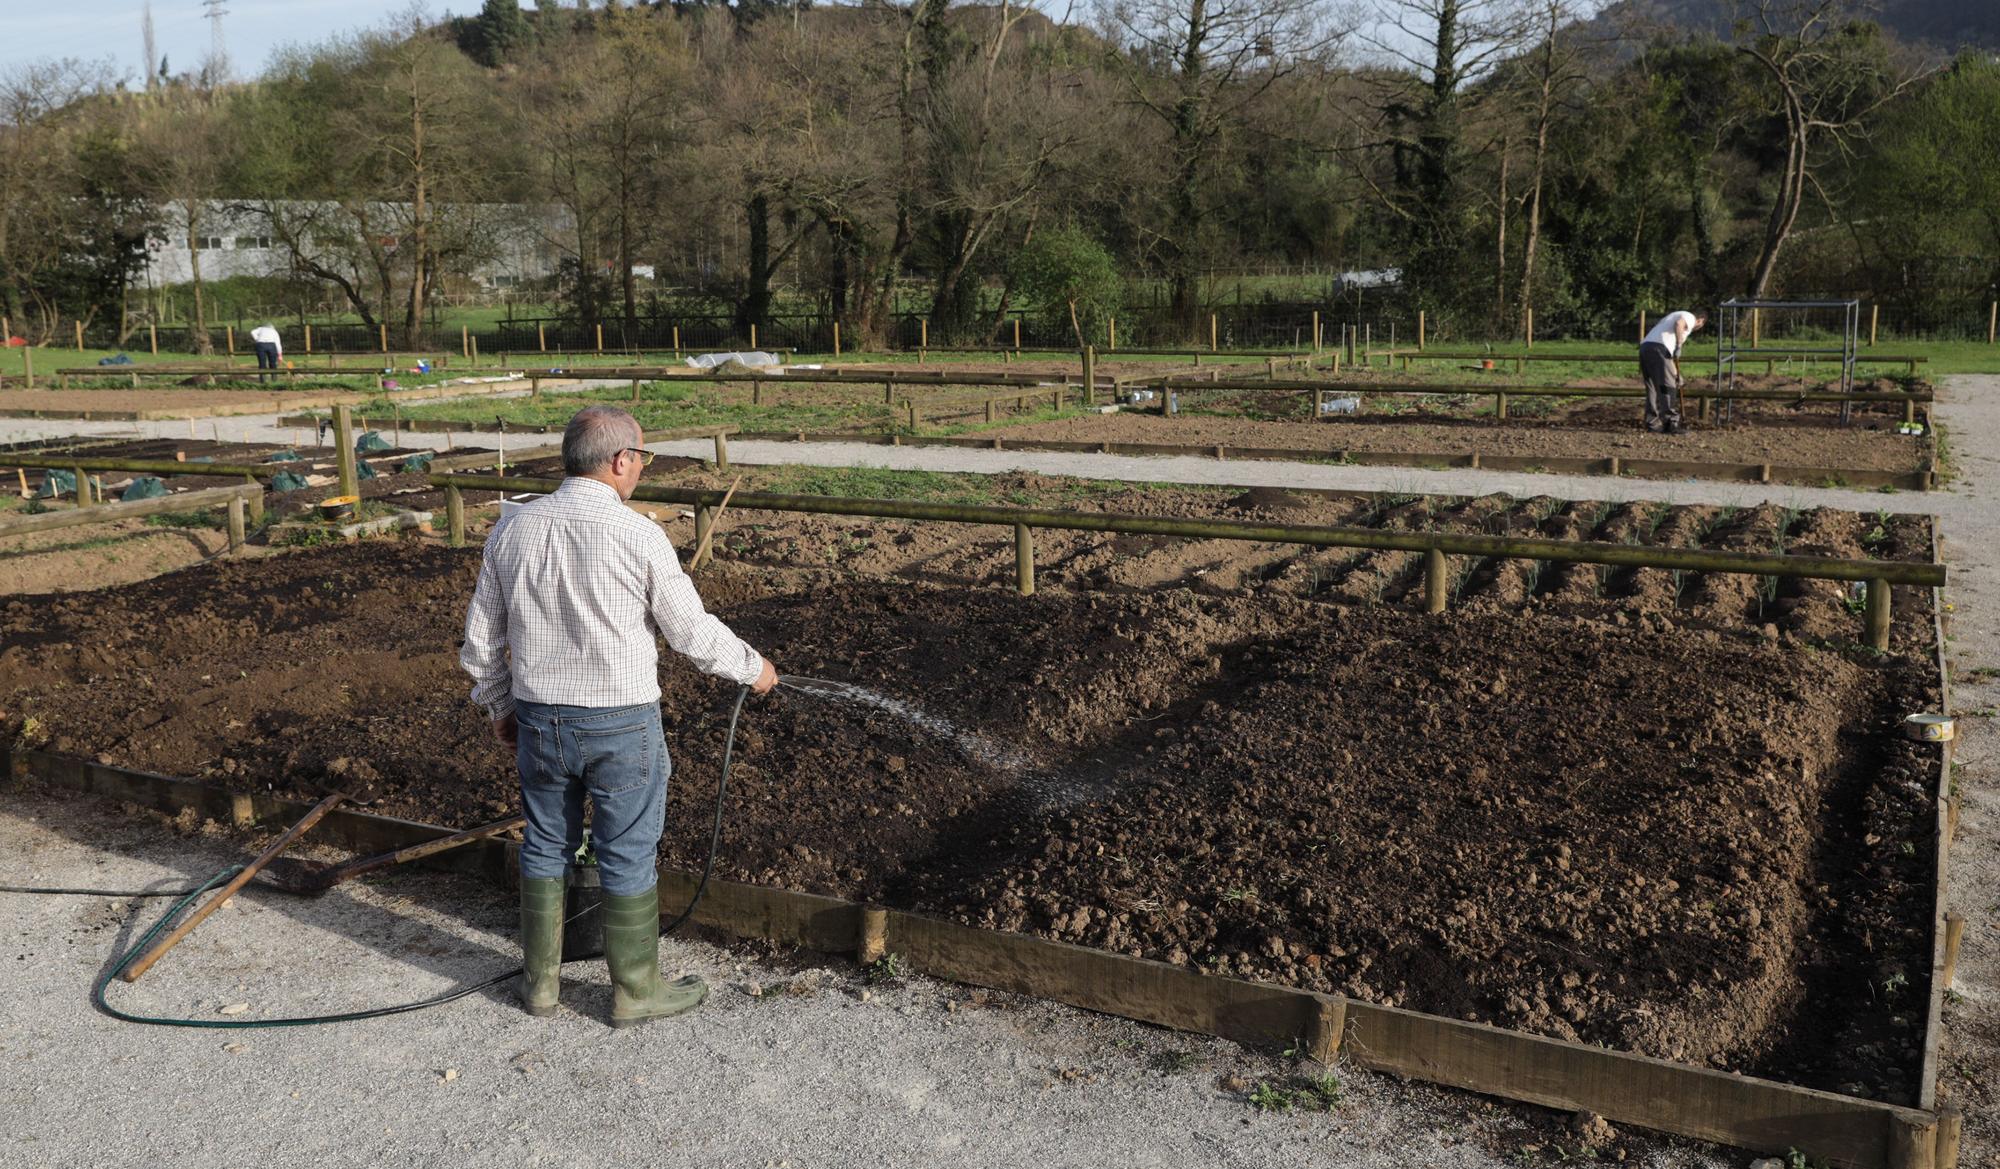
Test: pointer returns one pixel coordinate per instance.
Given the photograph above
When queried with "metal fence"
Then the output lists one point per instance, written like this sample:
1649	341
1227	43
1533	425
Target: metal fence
1262	325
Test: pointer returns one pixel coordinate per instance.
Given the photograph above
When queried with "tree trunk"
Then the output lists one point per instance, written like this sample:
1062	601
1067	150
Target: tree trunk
420	245
756	303
202	345
1500	239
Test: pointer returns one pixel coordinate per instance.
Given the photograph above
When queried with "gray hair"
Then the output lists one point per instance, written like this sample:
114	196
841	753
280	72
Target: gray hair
595	436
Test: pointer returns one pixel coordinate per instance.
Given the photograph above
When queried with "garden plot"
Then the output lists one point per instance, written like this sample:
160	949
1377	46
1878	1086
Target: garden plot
1636	815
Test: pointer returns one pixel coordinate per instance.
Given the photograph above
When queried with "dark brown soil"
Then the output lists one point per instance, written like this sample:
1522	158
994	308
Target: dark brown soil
1654	825
1756	437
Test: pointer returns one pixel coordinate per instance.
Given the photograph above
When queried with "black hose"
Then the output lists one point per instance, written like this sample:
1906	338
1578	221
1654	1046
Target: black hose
189	896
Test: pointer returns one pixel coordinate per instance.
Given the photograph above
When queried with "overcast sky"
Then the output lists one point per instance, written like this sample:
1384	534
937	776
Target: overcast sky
97	30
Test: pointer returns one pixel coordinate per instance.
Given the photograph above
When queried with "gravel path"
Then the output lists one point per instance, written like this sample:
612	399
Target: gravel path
819	1070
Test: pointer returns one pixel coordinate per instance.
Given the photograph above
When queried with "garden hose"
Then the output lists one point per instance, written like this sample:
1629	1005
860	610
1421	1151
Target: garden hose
188	897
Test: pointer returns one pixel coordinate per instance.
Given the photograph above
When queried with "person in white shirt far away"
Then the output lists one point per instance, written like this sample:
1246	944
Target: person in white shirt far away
1660	367
559	641
270	350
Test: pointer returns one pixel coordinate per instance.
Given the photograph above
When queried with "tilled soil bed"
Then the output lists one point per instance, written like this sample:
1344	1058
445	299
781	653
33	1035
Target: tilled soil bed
1758	436
1679	836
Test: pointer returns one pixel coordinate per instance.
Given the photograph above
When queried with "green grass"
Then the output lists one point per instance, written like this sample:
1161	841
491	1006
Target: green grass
186	519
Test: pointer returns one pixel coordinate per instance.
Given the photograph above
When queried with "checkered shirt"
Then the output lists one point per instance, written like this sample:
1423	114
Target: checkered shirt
574	584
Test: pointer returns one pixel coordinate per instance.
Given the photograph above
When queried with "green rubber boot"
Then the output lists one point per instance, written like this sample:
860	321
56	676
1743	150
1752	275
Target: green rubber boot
632	951
541	944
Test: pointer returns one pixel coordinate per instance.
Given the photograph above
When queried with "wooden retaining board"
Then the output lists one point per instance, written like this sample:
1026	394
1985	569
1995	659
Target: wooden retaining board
1934	1015
1923	479
1752	1113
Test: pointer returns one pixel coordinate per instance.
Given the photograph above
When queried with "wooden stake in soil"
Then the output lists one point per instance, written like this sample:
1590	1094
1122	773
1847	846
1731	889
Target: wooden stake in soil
309	338
1912	1141
1434	581
343	437
1024	559
1874	316
153	338
1420	330
836	338
1954	933
701	551
1090	375
82	486
132	972
1950	1122
1877	604
384	330
872	938
721	451
79	336
236	523
600	336
454	511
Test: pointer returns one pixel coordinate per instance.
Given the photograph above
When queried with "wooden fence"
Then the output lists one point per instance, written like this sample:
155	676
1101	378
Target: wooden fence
1877	575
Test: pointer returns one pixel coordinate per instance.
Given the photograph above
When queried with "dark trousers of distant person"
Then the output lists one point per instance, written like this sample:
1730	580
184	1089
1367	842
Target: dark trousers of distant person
1663	388
267	358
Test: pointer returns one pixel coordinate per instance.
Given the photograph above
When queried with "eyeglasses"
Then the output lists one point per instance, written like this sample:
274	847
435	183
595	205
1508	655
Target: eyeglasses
645	456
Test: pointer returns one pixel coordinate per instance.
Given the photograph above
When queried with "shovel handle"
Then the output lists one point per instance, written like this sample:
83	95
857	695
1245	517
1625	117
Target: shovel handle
131	973
421	849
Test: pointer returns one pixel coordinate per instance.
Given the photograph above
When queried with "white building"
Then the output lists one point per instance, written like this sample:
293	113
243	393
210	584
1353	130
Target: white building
495	245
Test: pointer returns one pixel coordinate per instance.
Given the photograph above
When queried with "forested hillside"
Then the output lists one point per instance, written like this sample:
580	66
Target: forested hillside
1477	158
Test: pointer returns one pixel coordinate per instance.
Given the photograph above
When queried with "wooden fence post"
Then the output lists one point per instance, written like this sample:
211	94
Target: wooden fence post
343	437
753	334
1877	604
1642	326
1111	342
600	336
1420	330
1528	326
256	499
1090	375
1315	332
79	335
1434	581
153	337
229	336
236	534
454	511
1992	321
721	451
309	338
28	365
836	338
465	341
82	486
1024	559
677	342
1017	334
1212	333
1756	326
1954	935
924	334
541	337
1874	317
385	337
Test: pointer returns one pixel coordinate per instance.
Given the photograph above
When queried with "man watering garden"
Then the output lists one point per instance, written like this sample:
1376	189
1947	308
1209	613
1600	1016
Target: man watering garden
560	643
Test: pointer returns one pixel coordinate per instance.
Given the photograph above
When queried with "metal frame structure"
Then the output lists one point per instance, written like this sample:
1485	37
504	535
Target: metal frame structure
1729	344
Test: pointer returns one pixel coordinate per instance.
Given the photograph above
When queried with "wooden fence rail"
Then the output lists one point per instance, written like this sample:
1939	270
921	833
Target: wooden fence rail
1878	575
236	499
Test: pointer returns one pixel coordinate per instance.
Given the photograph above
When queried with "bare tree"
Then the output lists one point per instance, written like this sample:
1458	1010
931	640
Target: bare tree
1196	65
1829	75
183	154
1435	52
1552	74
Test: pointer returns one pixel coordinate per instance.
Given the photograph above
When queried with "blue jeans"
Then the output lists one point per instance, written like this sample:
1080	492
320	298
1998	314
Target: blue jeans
615	754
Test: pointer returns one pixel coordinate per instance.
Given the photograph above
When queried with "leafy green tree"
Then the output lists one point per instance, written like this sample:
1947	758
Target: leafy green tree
499	32
1064	271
